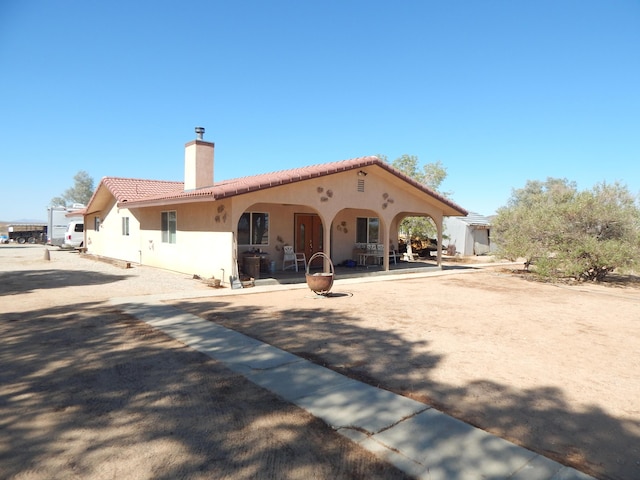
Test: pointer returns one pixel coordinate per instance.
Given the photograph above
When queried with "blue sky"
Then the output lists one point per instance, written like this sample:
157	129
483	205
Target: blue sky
500	92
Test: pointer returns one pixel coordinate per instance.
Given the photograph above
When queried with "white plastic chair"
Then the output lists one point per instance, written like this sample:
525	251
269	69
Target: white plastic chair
291	259
380	253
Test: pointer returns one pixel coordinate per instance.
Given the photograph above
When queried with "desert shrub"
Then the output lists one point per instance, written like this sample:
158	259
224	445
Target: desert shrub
563	232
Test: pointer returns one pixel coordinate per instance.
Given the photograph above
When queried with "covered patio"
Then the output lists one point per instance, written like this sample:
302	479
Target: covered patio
280	277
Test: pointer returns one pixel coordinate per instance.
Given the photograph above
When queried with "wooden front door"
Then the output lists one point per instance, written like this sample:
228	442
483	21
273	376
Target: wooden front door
309	236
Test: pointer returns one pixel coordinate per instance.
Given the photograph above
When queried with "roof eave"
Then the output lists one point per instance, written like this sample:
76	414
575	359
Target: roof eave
163	202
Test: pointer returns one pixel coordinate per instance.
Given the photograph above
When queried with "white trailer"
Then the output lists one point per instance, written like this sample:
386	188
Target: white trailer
58	220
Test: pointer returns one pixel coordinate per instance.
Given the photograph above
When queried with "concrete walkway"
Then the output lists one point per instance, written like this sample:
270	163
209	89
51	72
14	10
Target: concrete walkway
414	437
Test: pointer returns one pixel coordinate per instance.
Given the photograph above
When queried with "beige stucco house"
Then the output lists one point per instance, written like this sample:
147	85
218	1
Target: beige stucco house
204	227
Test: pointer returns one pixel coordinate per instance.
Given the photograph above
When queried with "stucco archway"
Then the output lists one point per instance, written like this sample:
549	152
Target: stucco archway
436	222
282	222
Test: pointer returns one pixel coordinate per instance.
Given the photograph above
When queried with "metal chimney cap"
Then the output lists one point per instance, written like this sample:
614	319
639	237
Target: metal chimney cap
199	132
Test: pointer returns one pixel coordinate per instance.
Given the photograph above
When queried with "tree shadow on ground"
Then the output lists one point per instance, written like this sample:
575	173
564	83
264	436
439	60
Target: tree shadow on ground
88	392
25	281
540	419
621	280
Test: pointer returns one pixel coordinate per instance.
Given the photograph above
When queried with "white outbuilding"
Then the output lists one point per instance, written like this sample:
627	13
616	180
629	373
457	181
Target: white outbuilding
471	235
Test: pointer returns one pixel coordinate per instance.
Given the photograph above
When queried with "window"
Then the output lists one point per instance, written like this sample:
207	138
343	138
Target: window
125	226
96	223
367	230
169	226
253	229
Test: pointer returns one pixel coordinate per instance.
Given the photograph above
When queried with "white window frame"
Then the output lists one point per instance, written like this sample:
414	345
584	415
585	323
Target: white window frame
252	219
169	226
373	224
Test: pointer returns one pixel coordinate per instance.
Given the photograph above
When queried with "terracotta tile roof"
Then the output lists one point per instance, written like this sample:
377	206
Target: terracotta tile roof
241	185
135	192
133	189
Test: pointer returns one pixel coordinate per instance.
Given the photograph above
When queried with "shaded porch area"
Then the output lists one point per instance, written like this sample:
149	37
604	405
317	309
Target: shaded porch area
292	277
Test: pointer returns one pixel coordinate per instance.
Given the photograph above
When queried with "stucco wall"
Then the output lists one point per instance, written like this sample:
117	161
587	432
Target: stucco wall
207	254
204	246
109	241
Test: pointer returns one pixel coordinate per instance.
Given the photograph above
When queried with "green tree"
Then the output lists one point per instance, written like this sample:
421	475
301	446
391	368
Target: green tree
566	232
431	175
81	191
434	174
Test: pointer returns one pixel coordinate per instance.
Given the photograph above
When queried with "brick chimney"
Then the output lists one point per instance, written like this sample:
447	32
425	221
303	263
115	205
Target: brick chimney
198	162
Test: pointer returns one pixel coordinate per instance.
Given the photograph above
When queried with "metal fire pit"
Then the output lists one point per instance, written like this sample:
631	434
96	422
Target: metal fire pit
320	283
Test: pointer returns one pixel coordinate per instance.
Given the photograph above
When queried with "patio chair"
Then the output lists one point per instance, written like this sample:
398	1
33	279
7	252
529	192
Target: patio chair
380	253
291	259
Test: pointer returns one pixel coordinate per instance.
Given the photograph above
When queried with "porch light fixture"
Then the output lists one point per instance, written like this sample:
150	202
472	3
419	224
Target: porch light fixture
362	173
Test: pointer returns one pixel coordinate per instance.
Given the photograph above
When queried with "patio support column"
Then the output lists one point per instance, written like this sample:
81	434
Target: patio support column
385	244
327	240
439	228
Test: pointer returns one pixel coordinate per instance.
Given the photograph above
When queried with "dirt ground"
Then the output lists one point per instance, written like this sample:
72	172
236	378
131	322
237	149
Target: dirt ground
90	393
